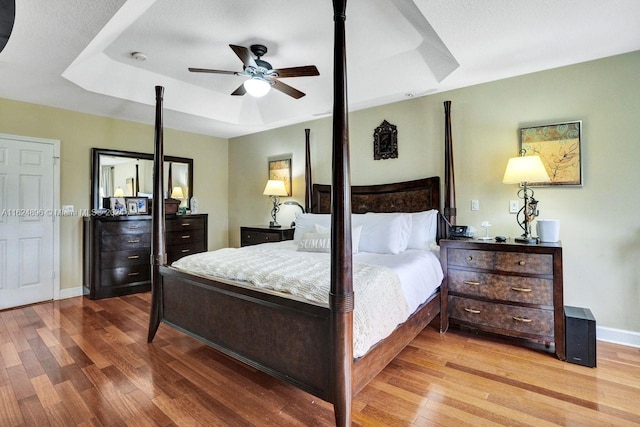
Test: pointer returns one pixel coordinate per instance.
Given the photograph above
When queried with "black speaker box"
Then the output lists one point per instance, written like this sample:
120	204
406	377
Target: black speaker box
580	336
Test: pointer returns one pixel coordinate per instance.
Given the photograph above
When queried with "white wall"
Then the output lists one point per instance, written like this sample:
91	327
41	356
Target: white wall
599	227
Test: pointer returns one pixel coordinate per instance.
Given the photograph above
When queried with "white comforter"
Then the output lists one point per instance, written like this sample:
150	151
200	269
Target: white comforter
380	298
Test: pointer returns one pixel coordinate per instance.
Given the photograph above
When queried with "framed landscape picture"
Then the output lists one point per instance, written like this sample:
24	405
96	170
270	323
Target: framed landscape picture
280	169
559	148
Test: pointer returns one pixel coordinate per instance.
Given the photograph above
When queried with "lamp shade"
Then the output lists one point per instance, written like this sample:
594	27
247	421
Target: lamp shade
525	169
177	193
257	87
119	192
275	188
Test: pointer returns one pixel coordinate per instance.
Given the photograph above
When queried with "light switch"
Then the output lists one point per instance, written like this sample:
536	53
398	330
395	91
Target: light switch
475	205
514	206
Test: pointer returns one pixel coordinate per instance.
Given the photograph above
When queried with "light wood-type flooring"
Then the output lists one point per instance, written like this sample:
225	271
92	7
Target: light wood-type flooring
83	362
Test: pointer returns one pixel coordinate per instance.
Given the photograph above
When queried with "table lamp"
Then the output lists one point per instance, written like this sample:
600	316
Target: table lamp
275	189
523	170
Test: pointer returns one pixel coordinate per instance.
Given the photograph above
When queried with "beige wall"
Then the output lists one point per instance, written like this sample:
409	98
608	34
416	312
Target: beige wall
79	132
599	227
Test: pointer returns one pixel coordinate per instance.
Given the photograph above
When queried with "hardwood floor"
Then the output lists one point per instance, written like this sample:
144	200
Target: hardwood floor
83	362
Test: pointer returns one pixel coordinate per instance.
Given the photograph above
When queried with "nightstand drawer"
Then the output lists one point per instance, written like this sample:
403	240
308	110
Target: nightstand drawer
472	258
528	290
530	321
256	237
264	234
524	263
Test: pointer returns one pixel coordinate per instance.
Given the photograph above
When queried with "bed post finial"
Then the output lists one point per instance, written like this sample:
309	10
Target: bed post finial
307	172
341	295
158	253
449	175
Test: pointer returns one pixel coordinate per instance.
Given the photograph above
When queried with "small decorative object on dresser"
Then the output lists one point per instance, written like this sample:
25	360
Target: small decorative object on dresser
506	288
257	234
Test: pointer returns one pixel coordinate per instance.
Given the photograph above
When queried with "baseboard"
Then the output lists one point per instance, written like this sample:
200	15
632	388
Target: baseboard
70	292
618	336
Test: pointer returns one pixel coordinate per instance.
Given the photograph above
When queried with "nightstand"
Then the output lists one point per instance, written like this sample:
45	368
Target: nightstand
257	234
507	288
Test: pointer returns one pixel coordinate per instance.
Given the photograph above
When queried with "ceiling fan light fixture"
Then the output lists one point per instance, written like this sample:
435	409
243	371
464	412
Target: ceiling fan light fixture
257	87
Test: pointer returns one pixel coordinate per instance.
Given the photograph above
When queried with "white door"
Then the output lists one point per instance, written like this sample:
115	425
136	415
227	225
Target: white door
26	221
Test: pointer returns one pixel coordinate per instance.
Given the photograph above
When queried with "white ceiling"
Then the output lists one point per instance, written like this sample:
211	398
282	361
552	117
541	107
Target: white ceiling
76	54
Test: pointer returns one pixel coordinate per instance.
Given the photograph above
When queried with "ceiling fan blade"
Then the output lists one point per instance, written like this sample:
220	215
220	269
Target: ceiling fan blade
239	91
208	70
285	88
244	55
307	70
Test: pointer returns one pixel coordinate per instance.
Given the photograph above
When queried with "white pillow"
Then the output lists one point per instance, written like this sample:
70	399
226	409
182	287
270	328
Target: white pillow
386	233
315	242
356	232
424	227
305	222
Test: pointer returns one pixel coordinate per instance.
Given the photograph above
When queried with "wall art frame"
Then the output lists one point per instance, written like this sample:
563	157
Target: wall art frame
385	141
559	146
280	169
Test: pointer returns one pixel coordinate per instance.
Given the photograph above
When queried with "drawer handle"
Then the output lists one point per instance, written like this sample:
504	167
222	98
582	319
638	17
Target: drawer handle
469	258
186	224
186	236
133	274
522	319
134	241
521	263
133	227
521	289
184	251
471	310
469	282
133	256
266	238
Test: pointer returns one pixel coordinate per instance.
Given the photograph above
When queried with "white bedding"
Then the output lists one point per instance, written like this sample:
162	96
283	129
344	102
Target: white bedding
387	288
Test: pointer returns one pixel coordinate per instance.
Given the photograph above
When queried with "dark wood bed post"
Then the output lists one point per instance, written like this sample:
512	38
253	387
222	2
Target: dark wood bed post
449	176
341	295
307	172
158	253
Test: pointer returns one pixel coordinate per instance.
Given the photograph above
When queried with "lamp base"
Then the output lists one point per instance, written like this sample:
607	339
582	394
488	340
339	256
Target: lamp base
527	240
273	224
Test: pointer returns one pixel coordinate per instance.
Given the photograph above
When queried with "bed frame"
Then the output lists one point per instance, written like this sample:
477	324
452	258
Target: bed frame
305	344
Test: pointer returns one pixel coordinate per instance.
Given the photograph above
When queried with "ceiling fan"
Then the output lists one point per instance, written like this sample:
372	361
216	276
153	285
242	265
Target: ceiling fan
262	76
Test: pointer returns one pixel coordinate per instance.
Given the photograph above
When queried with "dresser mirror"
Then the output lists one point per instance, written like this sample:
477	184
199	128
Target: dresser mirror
117	173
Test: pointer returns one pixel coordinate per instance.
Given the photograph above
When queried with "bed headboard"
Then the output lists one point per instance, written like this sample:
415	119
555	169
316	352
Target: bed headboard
410	196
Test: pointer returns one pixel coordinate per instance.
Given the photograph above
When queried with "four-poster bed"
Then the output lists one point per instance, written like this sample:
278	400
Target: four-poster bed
309	345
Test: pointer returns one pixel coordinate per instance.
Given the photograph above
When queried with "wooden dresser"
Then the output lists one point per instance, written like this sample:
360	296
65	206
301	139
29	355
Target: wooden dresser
264	234
505	288
117	250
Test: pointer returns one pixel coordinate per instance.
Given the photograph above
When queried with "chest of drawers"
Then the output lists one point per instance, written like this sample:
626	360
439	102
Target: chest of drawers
117	251
264	234
504	288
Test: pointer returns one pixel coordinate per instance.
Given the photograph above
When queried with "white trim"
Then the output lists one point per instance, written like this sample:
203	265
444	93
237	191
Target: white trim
69	293
56	203
618	336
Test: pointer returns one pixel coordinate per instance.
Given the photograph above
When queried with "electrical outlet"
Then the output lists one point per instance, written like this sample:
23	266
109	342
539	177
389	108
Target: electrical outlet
514	206
475	205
